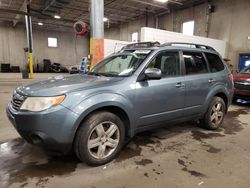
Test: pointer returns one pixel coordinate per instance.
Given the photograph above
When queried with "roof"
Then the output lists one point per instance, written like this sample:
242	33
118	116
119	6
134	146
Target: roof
172	45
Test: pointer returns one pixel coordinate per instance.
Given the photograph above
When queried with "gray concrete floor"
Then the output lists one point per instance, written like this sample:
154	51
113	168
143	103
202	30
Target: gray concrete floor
181	155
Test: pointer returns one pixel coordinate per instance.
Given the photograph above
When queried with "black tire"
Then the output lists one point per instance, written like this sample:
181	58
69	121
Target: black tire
206	122
85	131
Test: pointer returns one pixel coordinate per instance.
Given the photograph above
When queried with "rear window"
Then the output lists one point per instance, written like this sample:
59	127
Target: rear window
215	63
194	63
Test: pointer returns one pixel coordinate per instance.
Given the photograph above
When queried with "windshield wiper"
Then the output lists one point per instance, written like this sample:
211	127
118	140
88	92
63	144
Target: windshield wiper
95	73
103	74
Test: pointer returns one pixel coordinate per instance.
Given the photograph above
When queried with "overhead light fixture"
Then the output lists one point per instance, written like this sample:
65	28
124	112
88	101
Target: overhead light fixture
105	19
162	1
40	23
57	17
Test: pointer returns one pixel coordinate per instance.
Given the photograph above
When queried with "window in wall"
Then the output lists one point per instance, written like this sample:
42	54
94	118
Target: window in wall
188	28
194	63
168	62
247	63
135	37
52	42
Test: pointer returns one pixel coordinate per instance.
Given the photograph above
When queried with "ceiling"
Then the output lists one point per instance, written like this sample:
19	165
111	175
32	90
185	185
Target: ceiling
117	11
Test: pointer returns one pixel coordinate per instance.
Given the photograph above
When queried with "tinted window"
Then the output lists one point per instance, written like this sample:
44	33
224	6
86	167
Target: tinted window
168	62
194	63
215	62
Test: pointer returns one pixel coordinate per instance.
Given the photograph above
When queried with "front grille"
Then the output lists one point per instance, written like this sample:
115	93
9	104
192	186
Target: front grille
16	101
242	85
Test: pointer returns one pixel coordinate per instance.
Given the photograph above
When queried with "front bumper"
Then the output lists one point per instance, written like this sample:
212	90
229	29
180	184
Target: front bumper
51	129
243	94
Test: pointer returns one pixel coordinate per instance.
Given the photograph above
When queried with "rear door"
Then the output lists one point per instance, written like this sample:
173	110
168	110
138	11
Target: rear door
198	81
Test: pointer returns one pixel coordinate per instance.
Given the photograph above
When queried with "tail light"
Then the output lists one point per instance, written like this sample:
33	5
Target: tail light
230	77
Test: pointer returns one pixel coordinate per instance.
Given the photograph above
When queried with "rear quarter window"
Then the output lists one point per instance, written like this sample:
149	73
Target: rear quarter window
215	62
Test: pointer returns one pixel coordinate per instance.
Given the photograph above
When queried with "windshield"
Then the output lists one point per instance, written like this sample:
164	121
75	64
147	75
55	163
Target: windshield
119	65
246	70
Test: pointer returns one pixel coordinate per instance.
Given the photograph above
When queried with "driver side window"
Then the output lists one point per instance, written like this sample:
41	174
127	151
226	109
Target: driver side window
168	62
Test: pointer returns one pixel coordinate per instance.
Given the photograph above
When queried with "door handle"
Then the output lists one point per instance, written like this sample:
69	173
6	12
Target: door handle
211	80
180	85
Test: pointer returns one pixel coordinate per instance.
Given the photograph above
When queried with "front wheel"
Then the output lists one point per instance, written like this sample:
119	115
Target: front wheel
99	139
215	114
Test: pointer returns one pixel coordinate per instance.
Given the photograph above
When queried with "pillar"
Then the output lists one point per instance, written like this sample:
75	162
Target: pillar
97	31
30	41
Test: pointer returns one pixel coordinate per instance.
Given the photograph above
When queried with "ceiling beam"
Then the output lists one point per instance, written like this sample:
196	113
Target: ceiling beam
175	2
121	12
22	8
36	15
113	17
150	4
132	7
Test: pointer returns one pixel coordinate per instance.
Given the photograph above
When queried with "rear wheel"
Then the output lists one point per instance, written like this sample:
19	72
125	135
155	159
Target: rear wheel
215	114
99	139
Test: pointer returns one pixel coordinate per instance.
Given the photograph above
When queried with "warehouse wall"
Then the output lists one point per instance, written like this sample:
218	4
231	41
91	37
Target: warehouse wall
13	40
229	22
124	31
234	28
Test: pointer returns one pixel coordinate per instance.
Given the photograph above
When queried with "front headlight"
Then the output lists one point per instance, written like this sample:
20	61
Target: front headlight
37	104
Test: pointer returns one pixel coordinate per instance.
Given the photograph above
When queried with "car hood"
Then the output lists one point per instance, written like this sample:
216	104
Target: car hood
242	77
62	85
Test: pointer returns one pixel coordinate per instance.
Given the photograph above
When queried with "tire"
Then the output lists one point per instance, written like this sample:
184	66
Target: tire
99	139
215	114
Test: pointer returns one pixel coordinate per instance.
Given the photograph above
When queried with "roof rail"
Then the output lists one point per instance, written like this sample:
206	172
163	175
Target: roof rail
141	45
202	46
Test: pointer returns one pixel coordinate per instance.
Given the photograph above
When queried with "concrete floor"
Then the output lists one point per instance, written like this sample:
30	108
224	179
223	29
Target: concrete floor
176	156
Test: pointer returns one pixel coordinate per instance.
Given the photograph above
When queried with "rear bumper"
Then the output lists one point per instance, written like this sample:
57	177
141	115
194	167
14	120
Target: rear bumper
51	129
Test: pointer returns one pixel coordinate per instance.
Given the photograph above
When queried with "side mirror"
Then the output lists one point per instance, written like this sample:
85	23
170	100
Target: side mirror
153	74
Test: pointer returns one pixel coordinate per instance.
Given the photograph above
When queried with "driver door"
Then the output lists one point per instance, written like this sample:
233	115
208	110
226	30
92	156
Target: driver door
161	100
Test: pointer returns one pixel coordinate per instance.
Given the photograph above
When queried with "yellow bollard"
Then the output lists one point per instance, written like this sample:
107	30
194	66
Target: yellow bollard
31	65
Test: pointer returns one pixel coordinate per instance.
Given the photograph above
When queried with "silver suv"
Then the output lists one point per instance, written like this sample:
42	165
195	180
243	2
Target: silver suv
143	86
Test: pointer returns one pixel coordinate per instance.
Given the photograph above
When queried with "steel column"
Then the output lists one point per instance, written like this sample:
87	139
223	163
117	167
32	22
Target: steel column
30	41
97	31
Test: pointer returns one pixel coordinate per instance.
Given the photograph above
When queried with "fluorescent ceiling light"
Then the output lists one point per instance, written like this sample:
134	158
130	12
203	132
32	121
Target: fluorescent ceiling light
57	17
105	19
162	1
40	23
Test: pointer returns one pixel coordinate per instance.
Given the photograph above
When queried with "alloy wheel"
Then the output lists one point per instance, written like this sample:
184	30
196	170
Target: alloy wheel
103	140
217	114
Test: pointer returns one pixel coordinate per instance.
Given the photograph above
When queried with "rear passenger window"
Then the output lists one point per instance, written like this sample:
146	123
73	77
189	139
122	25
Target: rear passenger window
215	63
194	63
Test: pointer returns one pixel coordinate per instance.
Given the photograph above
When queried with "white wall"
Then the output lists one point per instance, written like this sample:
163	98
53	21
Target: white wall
111	46
163	36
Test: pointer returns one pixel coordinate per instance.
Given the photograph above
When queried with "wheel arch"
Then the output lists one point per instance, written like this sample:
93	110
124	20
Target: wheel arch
218	92
113	108
224	97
